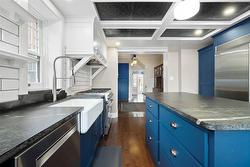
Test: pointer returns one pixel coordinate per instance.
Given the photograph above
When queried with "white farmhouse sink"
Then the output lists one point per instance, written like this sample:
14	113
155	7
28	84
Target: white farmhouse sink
92	108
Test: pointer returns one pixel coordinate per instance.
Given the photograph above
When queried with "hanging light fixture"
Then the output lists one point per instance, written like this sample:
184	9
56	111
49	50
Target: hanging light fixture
186	9
134	60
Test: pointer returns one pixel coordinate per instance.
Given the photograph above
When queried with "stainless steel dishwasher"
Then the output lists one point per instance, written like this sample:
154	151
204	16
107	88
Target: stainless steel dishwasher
61	148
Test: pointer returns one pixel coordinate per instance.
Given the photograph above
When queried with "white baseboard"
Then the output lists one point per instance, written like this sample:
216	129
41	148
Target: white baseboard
114	115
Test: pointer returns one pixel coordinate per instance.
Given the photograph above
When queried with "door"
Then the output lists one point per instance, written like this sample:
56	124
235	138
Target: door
123	81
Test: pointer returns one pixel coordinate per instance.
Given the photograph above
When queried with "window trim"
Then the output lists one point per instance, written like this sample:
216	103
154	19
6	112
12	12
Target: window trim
38	85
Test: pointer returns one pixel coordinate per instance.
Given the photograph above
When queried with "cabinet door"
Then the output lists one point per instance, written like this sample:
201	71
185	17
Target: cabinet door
79	38
123	81
206	71
89	142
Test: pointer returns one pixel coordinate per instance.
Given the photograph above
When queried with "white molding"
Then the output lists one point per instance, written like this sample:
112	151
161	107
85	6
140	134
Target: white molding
191	38
151	50
129	38
167	0
135	0
166	21
100	69
53	8
181	38
131	24
17	57
241	17
201	23
81	63
79	19
114	114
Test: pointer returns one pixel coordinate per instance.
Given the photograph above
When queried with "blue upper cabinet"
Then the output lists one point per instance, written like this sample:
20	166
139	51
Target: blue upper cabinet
236	31
123	81
206	71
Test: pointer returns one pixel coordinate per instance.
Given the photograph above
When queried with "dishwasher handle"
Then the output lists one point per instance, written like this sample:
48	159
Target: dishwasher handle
44	158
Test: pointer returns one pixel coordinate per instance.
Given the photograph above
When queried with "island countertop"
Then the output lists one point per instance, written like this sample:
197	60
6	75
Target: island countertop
20	128
211	113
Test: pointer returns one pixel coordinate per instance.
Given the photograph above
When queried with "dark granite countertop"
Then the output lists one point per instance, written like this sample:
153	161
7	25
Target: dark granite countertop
211	113
20	128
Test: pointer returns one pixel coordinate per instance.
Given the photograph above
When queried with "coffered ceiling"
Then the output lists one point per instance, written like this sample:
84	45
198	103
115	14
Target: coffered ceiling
151	22
132	11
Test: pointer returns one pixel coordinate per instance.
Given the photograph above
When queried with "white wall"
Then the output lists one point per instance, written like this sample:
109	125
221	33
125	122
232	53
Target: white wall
172	71
189	71
181	71
13	74
146	62
108	78
54	42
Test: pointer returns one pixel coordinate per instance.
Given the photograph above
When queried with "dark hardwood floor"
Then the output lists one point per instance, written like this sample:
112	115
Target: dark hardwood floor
129	133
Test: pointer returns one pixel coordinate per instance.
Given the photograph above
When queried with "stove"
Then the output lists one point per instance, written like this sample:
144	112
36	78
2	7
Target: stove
108	103
99	91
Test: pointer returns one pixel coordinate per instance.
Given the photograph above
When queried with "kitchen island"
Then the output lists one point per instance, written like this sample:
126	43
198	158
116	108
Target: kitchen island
185	129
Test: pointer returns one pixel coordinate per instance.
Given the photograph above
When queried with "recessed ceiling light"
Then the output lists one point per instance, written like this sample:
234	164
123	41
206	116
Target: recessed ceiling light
186	9
198	32
68	0
117	43
229	11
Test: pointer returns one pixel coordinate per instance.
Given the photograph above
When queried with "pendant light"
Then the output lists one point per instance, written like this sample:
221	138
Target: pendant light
186	9
134	60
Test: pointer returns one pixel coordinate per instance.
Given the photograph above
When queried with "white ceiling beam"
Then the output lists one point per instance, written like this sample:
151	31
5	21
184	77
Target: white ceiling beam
165	21
200	23
241	17
135	0
167	0
128	38
151	50
194	27
212	33
131	24
180	38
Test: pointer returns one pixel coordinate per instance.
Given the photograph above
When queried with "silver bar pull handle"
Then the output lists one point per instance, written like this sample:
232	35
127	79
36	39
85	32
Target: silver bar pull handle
53	149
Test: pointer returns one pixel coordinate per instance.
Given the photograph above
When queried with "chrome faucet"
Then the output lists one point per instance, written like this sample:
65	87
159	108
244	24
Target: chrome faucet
55	78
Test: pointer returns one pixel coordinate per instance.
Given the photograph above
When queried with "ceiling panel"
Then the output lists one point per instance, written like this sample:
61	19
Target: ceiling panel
186	32
129	32
132	10
220	11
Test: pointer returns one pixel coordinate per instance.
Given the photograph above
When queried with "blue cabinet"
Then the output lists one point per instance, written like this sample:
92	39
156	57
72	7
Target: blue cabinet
123	81
206	71
236	31
152	129
186	133
175	141
89	142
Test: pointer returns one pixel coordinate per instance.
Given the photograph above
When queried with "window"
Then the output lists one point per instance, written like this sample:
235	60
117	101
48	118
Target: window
34	51
33	36
34	72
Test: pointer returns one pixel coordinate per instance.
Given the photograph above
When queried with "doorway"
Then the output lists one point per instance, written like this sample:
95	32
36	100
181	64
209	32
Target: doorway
137	86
